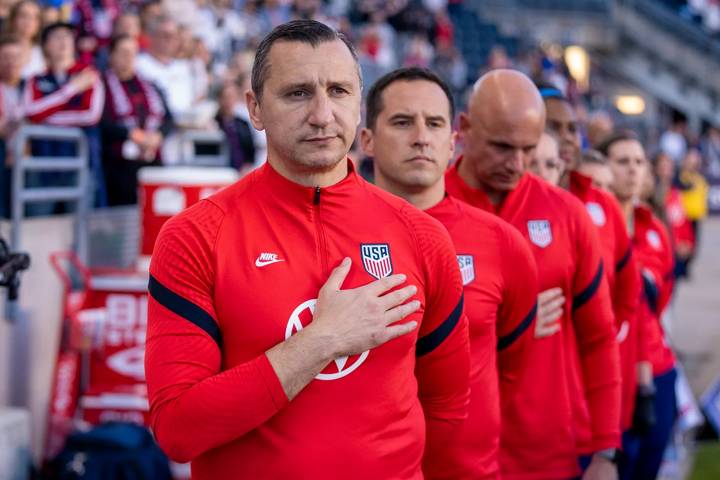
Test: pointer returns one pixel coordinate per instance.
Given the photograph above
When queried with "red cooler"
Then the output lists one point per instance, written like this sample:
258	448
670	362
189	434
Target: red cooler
166	191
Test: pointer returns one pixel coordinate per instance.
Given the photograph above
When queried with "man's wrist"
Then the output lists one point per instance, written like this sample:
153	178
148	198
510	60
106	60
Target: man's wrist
611	455
321	344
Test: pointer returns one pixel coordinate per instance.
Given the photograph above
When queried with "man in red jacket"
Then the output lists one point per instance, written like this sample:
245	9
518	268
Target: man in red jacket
621	272
280	343
500	131
409	135
645	444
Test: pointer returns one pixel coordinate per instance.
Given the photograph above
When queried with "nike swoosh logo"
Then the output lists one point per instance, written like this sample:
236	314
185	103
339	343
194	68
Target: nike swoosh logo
262	263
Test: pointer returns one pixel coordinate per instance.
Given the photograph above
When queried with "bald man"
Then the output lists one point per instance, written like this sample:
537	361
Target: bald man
621	269
578	361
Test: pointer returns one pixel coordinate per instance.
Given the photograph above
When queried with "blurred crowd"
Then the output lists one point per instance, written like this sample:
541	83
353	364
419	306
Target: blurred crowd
136	74
702	12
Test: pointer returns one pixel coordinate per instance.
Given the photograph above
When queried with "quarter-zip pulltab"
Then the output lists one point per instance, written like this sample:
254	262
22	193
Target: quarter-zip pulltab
322	244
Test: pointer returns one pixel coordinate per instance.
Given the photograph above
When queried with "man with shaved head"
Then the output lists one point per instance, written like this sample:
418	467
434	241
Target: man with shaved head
576	362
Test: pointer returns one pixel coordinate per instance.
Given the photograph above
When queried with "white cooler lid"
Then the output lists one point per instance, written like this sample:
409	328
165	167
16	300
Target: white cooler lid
187	176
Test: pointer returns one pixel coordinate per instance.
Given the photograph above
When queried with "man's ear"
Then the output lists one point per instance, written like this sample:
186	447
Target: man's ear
463	127
453	141
253	106
367	142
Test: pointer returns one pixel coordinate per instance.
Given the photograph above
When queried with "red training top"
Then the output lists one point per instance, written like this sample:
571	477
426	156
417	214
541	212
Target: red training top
238	273
538	435
624	283
655	259
500	279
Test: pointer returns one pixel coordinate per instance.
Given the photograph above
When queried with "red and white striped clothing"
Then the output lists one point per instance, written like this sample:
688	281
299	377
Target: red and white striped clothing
55	101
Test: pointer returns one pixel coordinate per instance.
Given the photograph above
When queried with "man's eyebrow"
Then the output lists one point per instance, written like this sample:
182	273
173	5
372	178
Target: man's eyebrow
298	86
437	118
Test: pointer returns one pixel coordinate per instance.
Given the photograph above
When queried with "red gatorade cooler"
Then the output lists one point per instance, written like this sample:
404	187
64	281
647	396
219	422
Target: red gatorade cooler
166	191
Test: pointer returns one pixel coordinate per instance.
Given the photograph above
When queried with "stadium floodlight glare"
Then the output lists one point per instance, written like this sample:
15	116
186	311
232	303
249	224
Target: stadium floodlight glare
630	104
577	60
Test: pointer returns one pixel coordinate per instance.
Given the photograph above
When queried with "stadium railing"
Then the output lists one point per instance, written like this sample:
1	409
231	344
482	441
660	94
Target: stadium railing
77	192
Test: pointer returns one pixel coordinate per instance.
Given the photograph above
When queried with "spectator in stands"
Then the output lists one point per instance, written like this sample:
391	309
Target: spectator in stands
50	15
24	23
710	148
135	121
665	199
95	19
149	12
451	67
174	77
5	6
674	140
222	29
419	52
273	13
68	94
693	193
599	126
193	50
128	24
11	112
238	130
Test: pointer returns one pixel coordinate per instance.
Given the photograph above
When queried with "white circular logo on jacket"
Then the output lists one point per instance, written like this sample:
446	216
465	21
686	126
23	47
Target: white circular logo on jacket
340	367
653	239
597	214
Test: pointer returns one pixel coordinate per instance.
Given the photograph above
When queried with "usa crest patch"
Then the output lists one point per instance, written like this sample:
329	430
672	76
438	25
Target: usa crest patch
376	259
597	214
467	268
653	239
540	232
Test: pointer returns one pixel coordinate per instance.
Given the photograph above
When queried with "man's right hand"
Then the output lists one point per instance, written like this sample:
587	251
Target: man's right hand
345	322
85	79
550	309
362	318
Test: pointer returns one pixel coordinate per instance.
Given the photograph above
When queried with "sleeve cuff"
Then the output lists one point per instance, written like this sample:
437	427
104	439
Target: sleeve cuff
272	382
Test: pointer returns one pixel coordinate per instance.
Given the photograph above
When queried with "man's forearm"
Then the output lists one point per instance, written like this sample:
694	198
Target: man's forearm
299	359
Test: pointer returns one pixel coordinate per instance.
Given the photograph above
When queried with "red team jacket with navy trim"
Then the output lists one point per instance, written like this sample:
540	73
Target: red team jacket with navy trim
539	438
655	259
54	102
623	279
240	272
500	282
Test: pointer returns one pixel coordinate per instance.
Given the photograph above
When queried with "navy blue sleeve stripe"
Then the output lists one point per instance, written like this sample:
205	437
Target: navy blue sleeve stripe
432	340
651	293
583	297
624	260
185	308
506	340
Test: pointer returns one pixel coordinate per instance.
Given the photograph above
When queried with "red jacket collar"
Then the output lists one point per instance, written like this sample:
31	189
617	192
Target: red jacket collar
293	192
580	184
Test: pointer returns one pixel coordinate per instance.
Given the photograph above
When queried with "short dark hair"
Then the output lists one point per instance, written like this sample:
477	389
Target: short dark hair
118	39
15	12
47	31
304	31
374	103
619	136
594	157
